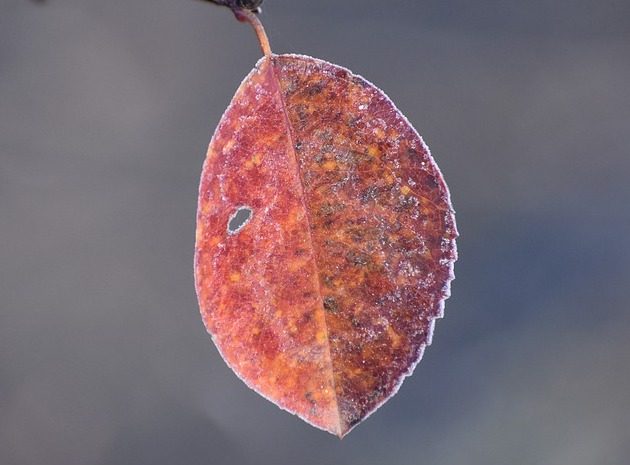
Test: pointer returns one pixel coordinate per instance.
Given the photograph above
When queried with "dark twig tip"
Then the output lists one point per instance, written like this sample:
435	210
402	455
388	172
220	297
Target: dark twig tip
235	5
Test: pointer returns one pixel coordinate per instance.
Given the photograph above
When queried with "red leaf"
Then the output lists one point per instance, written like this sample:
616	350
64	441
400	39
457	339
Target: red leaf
324	300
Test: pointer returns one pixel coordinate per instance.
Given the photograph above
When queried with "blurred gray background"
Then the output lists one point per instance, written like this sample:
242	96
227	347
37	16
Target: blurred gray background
106	110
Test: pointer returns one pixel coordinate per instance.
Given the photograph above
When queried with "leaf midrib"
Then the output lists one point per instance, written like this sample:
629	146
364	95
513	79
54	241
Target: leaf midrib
276	81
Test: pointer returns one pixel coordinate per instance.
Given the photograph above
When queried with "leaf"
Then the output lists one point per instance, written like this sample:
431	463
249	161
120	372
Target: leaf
325	241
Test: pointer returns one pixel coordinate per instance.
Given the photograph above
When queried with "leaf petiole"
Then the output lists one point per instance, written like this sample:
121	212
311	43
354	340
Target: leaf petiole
249	17
245	11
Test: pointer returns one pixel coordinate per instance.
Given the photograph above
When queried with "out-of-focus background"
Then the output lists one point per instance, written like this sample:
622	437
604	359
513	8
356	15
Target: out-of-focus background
106	110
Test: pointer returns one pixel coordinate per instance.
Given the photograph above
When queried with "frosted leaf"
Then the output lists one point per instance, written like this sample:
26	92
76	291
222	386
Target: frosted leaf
325	299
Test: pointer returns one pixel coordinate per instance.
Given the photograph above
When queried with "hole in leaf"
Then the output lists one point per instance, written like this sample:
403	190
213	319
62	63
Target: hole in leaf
239	219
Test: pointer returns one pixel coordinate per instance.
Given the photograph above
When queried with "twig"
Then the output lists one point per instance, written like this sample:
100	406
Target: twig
234	5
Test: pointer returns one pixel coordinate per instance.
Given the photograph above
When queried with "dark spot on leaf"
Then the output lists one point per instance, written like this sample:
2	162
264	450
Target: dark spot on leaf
327	280
377	393
328	208
319	157
368	194
353	121
356	234
395	227
358	258
314	89
302	112
406	202
411	152
330	304
328	148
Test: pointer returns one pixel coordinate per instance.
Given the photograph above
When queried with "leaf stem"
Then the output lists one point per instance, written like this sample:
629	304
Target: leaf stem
248	16
245	11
